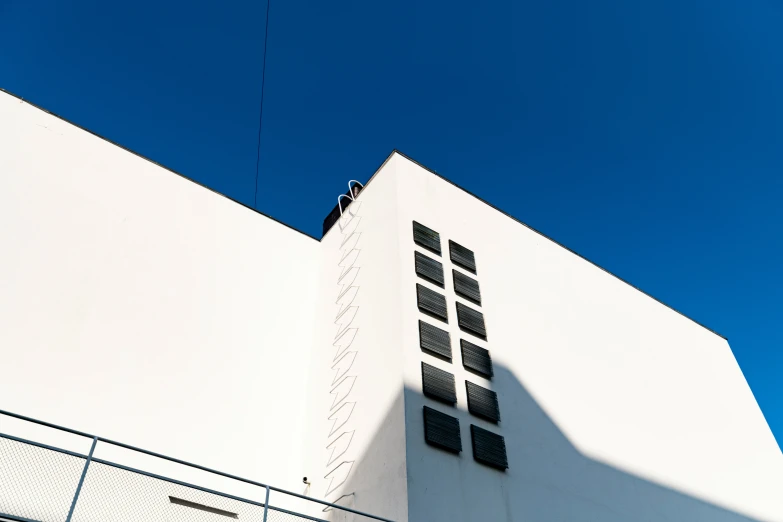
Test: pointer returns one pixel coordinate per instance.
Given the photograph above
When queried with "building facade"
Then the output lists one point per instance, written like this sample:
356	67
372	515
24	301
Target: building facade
430	358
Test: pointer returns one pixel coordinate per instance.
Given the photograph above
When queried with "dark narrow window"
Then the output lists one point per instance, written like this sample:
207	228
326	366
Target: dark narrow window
426	237
461	256
466	287
434	340
429	269
442	430
476	358
489	448
482	402
438	384
471	321
432	303
202	507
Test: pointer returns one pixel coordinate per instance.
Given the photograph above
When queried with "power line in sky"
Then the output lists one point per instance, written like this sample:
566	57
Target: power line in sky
261	109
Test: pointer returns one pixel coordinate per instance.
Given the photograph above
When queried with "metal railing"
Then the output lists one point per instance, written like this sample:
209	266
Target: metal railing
44	482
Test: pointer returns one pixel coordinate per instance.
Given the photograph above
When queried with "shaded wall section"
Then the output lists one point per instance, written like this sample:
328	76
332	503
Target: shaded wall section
550	480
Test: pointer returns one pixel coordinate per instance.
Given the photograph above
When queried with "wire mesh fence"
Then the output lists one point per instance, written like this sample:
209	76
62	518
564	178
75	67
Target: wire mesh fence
31	472
135	496
45	483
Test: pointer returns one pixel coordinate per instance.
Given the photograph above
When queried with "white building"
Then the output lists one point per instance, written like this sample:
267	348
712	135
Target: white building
140	306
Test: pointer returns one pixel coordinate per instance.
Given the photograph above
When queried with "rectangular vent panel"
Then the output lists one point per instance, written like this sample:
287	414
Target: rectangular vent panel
471	320
489	448
432	302
461	256
438	384
202	507
476	358
434	340
426	237
482	402
467	287
429	269
442	430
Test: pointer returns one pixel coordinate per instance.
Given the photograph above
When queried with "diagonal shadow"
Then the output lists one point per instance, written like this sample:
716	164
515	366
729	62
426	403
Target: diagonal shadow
548	480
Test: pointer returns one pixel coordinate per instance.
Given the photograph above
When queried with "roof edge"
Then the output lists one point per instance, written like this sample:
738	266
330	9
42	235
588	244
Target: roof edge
126	149
380	167
377	170
431	171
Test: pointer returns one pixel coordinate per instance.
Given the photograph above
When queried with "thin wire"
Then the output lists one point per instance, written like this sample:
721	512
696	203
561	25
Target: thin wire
261	109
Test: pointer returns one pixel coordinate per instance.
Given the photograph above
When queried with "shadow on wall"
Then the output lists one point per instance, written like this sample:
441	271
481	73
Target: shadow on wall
548	479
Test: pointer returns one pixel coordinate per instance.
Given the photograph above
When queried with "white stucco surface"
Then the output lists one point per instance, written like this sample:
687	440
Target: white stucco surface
139	306
613	406
360	261
142	307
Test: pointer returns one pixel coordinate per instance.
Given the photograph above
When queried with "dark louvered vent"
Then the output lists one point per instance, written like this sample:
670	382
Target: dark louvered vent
476	358
429	269
471	320
434	340
433	303
482	402
466	287
426	237
438	384
489	448
442	430
461	256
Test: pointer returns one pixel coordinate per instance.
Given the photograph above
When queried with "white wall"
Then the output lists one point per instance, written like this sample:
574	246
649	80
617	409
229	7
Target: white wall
370	472
613	406
144	308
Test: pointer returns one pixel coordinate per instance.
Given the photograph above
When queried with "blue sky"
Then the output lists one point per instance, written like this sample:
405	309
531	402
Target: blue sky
647	136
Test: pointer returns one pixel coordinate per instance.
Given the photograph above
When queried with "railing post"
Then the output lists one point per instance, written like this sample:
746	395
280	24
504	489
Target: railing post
266	503
81	480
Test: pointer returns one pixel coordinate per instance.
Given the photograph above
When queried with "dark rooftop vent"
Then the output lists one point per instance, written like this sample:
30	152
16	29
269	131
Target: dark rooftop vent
334	215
